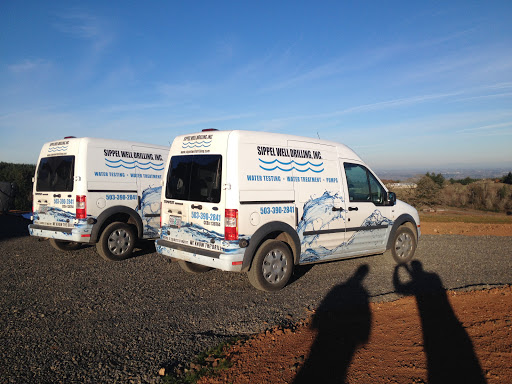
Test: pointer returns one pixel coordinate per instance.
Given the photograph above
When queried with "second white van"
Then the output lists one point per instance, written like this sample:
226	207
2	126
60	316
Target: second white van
98	191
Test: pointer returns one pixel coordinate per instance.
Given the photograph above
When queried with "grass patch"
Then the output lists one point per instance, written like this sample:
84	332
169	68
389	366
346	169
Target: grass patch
207	363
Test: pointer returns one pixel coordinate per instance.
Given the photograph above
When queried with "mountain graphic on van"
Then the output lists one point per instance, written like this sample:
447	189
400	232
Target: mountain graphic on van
291	165
134	164
196	144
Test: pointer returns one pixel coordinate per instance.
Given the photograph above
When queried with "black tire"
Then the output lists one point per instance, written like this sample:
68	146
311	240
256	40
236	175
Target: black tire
404	245
271	266
192	267
64	245
116	242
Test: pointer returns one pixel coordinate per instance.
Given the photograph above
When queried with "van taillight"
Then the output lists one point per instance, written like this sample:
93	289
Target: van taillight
231	224
81	211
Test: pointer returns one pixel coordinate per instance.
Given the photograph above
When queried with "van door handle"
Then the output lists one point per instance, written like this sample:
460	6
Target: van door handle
199	206
353	209
337	209
56	195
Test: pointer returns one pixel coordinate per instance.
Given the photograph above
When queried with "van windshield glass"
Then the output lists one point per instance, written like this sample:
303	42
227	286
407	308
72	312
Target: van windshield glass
55	174
195	178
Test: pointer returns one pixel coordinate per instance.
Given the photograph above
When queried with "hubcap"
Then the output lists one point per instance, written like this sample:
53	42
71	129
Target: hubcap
403	245
119	242
274	266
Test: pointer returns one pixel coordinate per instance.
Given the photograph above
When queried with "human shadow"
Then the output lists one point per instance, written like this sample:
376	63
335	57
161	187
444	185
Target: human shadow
448	348
343	322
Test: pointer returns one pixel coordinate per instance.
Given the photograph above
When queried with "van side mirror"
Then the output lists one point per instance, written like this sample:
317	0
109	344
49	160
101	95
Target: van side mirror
391	198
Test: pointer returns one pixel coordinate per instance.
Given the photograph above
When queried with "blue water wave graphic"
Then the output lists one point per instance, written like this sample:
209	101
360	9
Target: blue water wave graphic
134	164
318	215
61	148
292	164
196	144
150	205
197	234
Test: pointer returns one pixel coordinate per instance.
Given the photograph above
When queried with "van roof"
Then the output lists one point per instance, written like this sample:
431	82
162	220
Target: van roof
277	139
105	142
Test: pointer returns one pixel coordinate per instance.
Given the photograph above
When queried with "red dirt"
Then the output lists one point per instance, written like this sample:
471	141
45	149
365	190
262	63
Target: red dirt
437	337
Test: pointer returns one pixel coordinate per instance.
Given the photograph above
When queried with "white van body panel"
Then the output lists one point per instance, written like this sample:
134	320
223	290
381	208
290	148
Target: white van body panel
111	174
278	182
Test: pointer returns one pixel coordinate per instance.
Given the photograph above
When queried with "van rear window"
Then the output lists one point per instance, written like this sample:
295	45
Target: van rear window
195	178
55	174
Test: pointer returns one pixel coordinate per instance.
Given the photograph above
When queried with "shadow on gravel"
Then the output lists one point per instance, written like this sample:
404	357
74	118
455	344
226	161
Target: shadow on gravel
343	321
12	226
142	248
450	354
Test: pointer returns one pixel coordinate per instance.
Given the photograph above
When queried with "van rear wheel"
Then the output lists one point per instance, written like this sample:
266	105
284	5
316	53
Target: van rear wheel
192	267
116	242
64	245
271	267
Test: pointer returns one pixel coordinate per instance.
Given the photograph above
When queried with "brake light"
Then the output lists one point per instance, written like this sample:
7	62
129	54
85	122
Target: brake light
81	211
231	224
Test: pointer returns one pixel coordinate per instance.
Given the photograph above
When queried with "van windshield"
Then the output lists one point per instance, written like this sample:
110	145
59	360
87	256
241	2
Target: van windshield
195	178
55	174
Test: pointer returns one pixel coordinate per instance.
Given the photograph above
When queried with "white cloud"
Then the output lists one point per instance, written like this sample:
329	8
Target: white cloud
28	65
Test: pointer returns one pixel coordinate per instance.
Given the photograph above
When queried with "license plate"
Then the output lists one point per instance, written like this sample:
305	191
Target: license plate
175	221
43	209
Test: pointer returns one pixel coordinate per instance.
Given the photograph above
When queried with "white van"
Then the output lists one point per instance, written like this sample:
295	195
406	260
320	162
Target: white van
107	192
262	203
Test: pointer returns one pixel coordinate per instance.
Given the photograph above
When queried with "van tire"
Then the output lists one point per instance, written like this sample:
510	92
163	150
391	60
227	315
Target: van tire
116	242
404	245
64	245
271	266
192	267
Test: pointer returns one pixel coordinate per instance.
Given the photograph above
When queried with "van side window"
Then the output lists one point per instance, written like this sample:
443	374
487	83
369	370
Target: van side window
195	178
362	185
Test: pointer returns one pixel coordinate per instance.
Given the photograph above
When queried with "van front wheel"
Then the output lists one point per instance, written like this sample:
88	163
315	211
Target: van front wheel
271	267
116	242
404	245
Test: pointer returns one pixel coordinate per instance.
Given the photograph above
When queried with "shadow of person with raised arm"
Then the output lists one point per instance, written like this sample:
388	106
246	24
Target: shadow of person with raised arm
448	348
343	321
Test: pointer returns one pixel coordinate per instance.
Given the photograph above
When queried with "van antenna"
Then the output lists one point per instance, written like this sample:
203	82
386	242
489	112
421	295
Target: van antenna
317	134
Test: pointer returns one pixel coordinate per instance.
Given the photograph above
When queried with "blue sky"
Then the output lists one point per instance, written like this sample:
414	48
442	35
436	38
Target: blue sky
405	84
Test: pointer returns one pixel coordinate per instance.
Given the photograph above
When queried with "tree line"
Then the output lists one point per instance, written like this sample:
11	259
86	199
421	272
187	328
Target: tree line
483	194
21	176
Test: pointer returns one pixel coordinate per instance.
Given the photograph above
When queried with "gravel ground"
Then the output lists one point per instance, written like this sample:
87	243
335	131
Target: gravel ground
73	317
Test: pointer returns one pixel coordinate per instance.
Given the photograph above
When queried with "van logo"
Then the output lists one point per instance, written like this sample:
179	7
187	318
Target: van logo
62	148
196	144
134	164
288	166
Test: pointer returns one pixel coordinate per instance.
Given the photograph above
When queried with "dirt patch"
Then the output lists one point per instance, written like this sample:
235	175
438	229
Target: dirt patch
468	229
437	337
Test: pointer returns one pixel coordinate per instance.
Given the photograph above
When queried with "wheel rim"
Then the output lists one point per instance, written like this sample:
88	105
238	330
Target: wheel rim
274	266
119	242
404	245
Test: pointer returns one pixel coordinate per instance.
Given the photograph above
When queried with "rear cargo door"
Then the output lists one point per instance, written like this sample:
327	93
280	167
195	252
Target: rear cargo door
194	199
147	165
54	196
